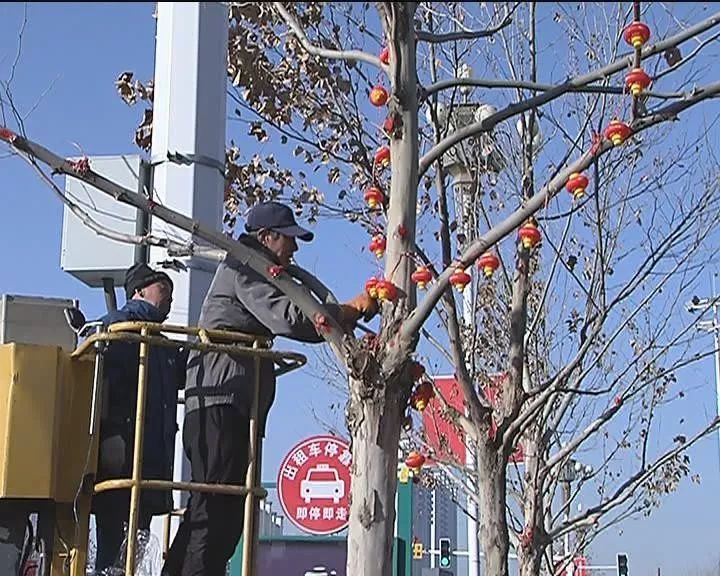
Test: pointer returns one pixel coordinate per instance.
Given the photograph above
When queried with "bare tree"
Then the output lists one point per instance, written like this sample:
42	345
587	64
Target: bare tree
302	74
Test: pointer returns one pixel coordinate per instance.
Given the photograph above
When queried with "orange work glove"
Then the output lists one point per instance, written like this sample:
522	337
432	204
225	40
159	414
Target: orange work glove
362	306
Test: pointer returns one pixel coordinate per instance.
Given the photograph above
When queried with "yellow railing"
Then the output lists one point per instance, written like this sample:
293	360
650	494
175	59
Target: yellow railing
232	343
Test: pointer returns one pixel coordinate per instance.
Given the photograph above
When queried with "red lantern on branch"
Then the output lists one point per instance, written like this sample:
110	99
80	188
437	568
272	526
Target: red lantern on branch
529	234
385	56
460	279
374	197
386	290
577	184
377	245
417	371
382	157
488	263
617	132
421	277
415	461
422	395
389	125
371	287
636	34
637	81
378	96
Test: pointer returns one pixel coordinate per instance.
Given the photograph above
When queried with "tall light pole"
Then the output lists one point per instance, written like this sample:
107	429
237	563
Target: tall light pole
189	123
571	471
703	305
464	163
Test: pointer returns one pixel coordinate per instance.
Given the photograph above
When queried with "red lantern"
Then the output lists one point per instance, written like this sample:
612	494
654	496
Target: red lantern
422	395
415	461
382	157
576	185
421	277
386	290
529	234
488	263
385	56
637	80
460	279
371	287
377	245
378	96
618	132
417	371
389	125
374	197
636	34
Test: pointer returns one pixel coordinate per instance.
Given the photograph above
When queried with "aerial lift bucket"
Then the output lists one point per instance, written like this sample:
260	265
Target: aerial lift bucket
50	403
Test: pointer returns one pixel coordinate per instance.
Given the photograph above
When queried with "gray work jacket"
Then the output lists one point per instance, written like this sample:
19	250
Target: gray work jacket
241	300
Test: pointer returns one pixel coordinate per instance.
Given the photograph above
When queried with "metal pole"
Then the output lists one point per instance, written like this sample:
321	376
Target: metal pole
469	321
110	297
566	507
716	335
462	192
97	383
251	479
137	457
433	526
142	222
189	119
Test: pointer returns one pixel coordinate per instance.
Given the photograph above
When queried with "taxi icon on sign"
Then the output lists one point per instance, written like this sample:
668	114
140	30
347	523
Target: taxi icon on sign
322	483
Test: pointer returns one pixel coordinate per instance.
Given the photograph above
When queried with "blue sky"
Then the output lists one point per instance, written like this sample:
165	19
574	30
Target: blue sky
71	55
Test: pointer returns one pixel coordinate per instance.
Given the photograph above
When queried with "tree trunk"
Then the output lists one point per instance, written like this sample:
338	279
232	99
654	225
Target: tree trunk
531	553
375	428
492	479
530	560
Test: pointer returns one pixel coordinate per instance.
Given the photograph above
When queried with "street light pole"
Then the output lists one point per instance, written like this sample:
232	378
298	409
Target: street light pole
701	305
716	336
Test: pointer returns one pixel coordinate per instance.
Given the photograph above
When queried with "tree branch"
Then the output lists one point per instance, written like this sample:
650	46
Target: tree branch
627	488
425	36
294	25
540	87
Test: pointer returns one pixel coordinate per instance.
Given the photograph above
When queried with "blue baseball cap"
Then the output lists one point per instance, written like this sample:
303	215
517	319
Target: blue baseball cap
277	217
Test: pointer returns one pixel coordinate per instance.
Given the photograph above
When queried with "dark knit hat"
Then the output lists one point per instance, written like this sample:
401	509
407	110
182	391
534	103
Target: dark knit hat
140	275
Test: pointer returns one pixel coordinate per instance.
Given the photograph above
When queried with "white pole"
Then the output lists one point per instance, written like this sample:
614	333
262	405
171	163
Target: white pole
462	191
189	117
716	334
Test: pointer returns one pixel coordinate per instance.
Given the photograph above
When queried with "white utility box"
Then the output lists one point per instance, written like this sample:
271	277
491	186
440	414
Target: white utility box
85	254
36	320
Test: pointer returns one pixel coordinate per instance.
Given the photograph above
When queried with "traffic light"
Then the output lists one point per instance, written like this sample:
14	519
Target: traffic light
445	553
622	565
418	550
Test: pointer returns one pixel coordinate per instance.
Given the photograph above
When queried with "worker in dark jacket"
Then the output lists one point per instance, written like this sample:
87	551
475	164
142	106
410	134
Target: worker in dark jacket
149	296
219	388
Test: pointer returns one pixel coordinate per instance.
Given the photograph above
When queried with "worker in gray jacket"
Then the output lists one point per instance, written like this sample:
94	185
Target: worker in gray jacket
219	388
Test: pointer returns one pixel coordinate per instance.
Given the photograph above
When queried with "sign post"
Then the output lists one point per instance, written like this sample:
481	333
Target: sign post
314	485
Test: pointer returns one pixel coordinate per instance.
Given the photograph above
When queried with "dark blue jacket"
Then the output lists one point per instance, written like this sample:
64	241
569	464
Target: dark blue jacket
166	375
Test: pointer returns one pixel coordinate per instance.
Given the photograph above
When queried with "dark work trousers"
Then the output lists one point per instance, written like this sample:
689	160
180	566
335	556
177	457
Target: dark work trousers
110	526
216	443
